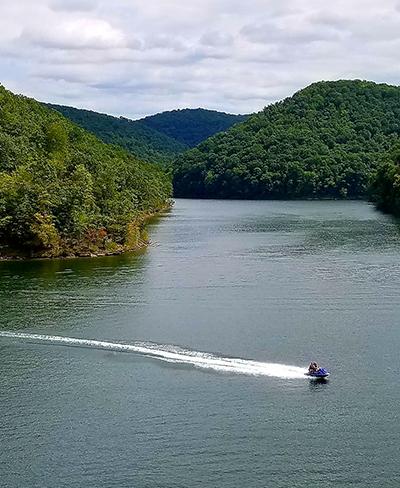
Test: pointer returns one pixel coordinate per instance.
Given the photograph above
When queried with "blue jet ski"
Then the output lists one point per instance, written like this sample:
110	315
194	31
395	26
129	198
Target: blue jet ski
319	373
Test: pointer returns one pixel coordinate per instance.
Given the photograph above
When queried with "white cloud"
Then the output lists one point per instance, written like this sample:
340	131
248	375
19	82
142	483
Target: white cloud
215	38
139	57
80	33
292	29
73	5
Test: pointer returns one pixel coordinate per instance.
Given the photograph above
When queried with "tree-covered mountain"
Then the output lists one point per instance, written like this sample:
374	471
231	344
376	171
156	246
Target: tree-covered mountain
62	191
192	126
326	141
140	140
155	139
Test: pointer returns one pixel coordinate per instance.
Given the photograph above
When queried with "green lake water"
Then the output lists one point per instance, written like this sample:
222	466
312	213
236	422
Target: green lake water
226	291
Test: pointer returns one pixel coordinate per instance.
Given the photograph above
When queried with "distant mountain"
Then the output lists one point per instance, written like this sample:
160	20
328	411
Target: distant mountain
63	191
156	139
140	140
191	126
326	141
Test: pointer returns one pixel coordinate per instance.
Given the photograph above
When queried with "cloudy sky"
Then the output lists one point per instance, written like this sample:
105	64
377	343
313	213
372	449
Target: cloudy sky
138	57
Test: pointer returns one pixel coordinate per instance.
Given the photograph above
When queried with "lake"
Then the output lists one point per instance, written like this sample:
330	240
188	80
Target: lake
227	290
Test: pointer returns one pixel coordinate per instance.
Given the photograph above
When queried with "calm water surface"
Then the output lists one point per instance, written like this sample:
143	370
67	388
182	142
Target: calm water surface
275	282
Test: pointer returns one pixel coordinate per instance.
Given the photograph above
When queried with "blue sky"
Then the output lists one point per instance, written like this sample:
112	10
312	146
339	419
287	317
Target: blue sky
137	57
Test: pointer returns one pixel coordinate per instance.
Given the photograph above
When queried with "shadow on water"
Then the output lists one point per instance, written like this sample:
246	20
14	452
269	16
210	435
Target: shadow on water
318	384
39	292
49	270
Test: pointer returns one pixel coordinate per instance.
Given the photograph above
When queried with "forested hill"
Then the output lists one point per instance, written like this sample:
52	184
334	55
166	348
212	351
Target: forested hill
139	139
192	126
64	192
158	138
325	141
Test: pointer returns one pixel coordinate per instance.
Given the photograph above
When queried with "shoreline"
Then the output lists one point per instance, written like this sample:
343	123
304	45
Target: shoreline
138	229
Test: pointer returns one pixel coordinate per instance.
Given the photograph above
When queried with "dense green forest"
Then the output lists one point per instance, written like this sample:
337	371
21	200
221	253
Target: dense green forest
324	142
143	142
155	139
192	126
63	192
385	187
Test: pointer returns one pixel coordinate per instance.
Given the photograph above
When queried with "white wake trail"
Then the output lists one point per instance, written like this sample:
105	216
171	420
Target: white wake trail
173	354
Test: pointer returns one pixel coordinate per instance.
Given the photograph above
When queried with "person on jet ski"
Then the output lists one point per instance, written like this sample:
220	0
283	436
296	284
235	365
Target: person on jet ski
313	368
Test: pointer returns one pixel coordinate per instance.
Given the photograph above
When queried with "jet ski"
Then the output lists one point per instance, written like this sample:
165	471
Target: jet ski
319	373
